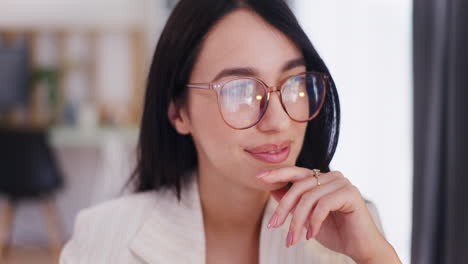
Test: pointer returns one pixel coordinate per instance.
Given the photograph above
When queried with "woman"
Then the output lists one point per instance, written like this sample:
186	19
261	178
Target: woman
239	111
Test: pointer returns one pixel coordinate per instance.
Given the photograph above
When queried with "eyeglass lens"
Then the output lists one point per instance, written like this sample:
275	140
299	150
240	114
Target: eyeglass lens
243	101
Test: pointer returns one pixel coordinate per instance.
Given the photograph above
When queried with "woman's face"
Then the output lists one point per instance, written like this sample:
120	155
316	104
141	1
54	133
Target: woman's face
242	39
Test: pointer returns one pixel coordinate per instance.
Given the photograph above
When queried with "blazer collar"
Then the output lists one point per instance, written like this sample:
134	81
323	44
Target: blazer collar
174	232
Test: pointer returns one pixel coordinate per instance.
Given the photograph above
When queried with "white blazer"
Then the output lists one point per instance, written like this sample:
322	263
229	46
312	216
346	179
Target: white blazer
152	227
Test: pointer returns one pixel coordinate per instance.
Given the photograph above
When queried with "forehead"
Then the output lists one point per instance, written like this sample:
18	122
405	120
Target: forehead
242	38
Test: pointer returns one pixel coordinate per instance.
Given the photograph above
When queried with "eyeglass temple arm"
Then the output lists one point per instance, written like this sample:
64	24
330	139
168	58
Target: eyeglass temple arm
200	86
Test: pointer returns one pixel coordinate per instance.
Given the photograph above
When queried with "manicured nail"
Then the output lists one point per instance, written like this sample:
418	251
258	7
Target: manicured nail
289	240
273	220
263	174
309	233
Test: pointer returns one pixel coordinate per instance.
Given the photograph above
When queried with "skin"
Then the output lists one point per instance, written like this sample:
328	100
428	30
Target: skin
225	169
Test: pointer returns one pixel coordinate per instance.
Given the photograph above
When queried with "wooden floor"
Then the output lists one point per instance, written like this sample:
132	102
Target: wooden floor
28	255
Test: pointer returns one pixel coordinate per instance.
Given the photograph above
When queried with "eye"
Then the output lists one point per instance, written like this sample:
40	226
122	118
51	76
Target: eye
294	88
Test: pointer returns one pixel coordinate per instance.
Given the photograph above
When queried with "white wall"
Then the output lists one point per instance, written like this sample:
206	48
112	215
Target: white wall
366	44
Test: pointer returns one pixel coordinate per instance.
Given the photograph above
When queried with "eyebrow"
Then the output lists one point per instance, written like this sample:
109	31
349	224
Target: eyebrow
291	64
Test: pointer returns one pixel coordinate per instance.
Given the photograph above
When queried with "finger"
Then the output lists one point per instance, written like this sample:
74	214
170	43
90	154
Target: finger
278	199
340	200
288	174
306	204
292	196
279	193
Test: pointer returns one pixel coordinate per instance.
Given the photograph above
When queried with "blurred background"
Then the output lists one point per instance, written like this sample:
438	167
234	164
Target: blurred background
72	79
71	90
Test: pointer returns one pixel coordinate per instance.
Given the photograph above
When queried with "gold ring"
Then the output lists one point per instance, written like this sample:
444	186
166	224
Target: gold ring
316	175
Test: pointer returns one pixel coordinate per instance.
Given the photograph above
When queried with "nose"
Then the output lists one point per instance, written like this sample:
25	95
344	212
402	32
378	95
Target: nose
275	118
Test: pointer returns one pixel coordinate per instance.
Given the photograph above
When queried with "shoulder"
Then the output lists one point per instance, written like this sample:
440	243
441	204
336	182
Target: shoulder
106	229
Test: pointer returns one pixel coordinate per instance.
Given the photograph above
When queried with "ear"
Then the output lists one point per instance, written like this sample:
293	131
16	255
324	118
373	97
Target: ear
178	118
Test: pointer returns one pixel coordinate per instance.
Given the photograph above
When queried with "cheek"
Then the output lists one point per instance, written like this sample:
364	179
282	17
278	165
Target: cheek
213	137
300	131
205	118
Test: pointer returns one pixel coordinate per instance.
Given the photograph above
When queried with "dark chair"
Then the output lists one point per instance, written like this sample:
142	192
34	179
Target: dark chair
28	170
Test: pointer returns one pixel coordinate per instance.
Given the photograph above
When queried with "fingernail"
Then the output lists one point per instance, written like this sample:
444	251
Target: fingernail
263	174
273	220
309	233
289	240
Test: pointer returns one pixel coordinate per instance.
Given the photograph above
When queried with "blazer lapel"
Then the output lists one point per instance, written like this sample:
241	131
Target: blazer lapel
174	233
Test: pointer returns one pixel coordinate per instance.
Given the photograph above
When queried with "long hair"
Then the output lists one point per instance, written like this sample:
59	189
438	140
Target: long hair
165	157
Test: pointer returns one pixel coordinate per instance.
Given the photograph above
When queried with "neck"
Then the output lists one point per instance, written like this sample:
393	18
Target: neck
230	209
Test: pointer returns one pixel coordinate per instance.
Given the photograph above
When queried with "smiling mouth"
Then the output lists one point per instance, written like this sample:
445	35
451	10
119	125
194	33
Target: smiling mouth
275	156
270	148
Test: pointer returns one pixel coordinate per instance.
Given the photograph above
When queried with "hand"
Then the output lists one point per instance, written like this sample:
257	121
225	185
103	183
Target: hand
334	213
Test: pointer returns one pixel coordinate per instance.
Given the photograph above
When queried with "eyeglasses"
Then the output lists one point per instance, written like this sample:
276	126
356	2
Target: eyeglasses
243	101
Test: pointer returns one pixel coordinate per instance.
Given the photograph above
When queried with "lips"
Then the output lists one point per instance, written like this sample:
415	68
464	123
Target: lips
271	153
269	147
